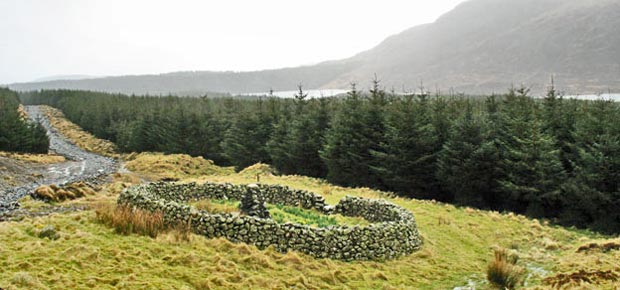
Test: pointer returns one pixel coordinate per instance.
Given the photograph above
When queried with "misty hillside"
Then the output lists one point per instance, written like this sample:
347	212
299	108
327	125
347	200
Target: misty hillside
485	45
481	46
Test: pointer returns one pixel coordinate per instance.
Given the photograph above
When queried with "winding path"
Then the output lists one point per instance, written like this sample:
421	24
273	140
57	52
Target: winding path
82	165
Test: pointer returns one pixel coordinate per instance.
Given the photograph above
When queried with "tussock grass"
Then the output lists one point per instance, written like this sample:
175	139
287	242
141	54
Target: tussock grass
34	158
68	192
604	247
503	271
26	280
126	220
581	277
78	136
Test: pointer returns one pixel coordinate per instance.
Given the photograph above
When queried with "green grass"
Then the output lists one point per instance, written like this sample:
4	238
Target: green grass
282	214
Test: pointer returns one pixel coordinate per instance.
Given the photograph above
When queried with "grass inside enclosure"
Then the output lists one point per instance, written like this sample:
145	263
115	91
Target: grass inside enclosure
216	206
282	214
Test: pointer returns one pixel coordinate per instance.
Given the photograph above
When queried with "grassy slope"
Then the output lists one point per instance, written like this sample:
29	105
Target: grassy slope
458	246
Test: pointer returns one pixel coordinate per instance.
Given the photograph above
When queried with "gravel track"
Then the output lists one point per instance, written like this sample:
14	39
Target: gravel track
82	166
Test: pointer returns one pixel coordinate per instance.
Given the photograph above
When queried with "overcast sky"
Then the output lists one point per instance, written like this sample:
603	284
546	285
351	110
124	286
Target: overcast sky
42	38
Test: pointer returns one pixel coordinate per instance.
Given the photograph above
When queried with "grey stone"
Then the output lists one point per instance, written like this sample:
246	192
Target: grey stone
49	232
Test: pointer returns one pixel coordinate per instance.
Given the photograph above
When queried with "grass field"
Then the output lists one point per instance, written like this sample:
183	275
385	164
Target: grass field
458	245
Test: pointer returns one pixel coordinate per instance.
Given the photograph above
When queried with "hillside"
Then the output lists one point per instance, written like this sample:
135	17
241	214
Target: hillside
486	45
458	245
482	46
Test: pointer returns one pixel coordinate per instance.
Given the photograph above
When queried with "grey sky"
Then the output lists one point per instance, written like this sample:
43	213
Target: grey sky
41	38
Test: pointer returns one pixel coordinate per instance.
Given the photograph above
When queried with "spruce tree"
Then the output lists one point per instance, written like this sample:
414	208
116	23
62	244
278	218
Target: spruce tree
593	193
408	158
244	142
460	166
533	169
306	138
17	134
559	121
278	147
345	151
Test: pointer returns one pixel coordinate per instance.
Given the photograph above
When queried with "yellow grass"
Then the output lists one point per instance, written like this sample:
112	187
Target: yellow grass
22	112
69	191
503	272
34	158
158	166
258	169
126	220
217	206
91	254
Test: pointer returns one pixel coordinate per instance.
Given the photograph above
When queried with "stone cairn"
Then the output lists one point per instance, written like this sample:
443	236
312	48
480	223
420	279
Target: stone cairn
252	204
392	232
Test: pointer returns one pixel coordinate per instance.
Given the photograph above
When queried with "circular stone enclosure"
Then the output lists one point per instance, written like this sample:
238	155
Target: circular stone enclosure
392	231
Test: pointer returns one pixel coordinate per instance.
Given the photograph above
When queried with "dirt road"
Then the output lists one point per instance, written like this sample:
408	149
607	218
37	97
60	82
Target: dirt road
82	165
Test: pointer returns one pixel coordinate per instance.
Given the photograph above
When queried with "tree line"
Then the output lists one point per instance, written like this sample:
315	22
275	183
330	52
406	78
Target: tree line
16	133
550	158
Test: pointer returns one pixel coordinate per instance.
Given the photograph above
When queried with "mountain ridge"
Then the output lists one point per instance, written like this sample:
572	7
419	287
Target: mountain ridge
481	46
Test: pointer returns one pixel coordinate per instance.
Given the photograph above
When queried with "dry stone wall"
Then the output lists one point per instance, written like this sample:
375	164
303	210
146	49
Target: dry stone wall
392	231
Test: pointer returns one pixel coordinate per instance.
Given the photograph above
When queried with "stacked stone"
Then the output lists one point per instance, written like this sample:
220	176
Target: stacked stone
253	203
392	234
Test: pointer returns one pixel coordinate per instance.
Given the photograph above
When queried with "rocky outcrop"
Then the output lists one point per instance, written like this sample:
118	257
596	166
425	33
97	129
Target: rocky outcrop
392	231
